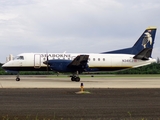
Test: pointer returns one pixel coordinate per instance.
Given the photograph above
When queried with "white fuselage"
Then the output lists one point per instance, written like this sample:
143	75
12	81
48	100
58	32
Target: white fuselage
101	62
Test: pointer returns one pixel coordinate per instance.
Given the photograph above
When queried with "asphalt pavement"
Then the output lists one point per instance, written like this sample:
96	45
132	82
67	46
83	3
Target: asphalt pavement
57	99
65	104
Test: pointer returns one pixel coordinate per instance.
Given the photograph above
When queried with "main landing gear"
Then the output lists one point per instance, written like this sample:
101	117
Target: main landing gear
17	78
75	77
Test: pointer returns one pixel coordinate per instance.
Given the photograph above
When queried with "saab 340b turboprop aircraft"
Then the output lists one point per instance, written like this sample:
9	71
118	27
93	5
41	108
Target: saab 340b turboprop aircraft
136	56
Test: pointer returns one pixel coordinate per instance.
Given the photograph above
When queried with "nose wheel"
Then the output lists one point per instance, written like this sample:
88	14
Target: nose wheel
18	79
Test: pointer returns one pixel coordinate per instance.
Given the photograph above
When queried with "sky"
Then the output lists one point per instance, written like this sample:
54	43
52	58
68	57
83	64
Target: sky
75	26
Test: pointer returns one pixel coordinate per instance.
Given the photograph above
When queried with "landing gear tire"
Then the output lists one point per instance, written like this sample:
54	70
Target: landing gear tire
17	79
72	78
76	79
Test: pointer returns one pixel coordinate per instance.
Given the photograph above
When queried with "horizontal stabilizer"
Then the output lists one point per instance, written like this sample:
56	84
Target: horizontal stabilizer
144	54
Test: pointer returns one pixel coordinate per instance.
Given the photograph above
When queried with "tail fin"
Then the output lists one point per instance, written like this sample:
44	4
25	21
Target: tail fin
146	40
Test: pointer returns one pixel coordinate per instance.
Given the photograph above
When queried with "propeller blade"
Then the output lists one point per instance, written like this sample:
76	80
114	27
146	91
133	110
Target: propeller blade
47	64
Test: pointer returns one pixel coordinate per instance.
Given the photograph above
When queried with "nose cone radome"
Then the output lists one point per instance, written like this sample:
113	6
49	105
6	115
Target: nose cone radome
4	66
7	65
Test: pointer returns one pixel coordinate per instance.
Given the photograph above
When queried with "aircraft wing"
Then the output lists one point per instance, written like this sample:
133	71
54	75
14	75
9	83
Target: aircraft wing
144	54
79	62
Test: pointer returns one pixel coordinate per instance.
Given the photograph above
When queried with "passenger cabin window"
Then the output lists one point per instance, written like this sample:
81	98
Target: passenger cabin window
98	59
19	58
103	59
94	59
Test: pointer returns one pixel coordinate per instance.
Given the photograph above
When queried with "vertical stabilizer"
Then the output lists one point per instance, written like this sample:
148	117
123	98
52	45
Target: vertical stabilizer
146	40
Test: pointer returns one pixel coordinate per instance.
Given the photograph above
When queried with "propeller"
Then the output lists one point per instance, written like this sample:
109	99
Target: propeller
46	63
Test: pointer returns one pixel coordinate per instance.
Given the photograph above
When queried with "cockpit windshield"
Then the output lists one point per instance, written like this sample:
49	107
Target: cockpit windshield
19	58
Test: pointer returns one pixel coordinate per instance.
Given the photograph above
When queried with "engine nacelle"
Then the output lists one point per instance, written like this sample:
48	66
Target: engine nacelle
60	65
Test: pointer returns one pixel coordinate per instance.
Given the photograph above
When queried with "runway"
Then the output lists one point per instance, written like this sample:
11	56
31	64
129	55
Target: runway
55	98
89	82
64	104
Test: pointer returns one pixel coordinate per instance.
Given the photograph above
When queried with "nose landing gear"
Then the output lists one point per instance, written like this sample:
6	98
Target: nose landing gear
17	78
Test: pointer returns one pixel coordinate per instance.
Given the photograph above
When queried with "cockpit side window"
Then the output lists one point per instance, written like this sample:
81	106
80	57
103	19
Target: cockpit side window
19	58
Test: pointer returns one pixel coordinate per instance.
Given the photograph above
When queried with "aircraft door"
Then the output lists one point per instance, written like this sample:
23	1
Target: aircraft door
37	61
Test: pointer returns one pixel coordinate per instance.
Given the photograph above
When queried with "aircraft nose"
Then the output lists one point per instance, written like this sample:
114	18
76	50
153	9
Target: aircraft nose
4	66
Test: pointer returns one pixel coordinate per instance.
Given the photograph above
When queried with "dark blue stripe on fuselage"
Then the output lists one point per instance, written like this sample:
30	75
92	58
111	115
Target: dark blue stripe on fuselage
45	69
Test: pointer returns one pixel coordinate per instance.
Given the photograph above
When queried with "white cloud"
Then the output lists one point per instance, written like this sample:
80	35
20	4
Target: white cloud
69	25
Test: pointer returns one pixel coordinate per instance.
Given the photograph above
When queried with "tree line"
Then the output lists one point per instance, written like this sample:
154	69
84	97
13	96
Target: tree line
153	68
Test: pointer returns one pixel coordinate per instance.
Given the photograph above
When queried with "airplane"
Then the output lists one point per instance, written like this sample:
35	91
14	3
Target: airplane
136	56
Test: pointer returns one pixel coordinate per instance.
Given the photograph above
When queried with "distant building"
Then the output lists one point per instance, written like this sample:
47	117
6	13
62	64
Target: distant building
9	58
